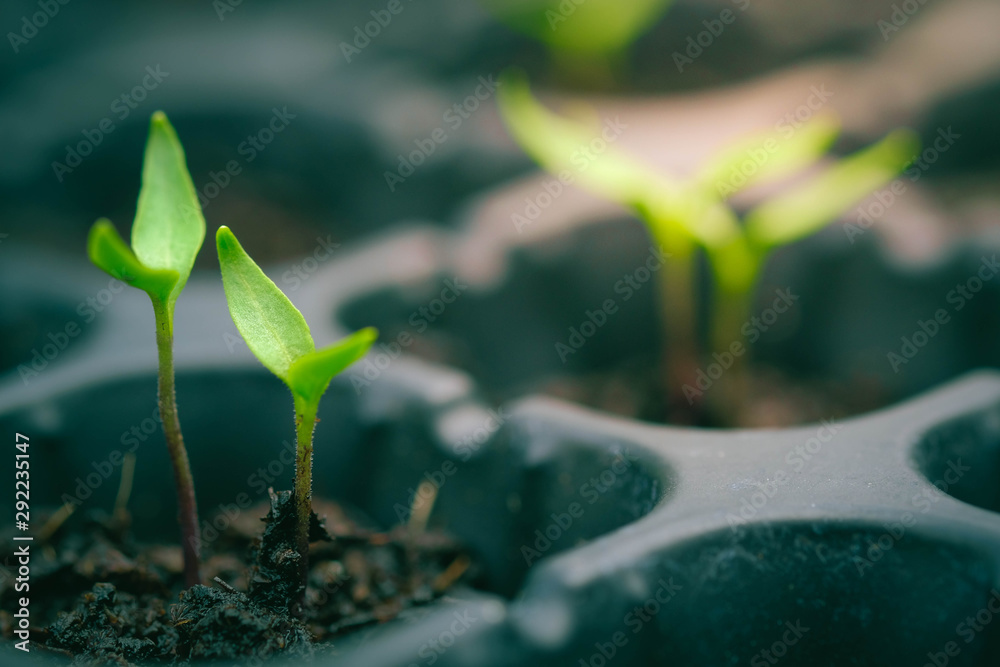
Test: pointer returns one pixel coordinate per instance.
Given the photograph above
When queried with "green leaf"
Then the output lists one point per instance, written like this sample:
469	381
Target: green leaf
271	326
805	210
768	156
561	145
169	227
108	251
310	375
558	144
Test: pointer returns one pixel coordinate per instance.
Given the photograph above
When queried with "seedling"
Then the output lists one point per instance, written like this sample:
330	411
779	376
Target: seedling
682	216
279	337
167	234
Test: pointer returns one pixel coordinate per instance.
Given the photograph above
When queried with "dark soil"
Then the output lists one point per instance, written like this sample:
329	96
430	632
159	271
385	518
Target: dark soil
98	598
636	388
775	400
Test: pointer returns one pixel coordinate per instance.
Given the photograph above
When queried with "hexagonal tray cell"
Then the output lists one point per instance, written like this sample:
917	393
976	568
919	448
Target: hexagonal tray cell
372	451
962	458
783	590
840	563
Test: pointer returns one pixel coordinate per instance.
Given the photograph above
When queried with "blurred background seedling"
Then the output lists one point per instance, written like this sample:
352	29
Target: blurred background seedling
695	214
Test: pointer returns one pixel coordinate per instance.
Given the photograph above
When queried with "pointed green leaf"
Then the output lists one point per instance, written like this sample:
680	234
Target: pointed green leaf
768	156
108	251
271	326
310	375
169	228
805	210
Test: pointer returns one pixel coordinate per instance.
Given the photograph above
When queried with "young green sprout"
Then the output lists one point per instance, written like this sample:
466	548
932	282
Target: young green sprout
166	236
279	337
685	215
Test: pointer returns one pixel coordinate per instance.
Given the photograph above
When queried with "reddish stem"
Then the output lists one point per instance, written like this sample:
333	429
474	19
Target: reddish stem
187	506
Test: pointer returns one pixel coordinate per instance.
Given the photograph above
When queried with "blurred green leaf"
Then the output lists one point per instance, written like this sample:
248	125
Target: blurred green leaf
594	26
272	327
107	250
310	375
560	145
805	210
768	156
169	228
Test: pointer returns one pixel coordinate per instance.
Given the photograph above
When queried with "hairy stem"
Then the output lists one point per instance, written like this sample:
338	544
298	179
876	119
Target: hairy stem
187	507
305	423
